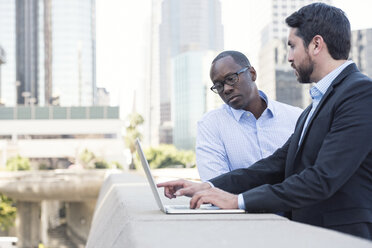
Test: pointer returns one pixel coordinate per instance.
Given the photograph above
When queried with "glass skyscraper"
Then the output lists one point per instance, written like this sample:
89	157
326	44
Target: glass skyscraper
191	95
73	46
186	25
50	48
7	42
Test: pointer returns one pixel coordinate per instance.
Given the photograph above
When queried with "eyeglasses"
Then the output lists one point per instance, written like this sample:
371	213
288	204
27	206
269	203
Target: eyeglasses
229	80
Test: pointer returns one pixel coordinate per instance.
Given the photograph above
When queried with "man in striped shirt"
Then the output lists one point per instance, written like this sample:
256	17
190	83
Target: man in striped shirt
248	127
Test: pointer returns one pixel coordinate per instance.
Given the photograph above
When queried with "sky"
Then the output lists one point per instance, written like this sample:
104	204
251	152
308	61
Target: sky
123	29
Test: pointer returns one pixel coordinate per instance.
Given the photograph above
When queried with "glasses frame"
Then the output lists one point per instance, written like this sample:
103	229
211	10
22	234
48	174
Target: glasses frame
214	88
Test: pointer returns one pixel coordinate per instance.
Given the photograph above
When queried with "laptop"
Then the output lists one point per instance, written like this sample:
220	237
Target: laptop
178	209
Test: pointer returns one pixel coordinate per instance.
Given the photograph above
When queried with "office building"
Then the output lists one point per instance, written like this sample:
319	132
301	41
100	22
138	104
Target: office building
277	78
151	110
50	46
186	25
74	52
27	34
275	75
191	95
103	97
8	43
361	50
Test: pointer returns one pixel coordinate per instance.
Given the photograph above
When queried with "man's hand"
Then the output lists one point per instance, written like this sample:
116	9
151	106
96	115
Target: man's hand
215	196
181	187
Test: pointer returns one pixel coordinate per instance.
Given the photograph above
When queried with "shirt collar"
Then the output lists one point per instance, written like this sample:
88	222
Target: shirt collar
238	113
320	88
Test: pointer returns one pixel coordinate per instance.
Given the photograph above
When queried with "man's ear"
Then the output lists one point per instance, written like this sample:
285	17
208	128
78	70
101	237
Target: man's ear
317	44
253	73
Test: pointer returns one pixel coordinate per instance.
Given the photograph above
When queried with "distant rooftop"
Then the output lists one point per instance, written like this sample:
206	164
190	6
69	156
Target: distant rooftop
58	113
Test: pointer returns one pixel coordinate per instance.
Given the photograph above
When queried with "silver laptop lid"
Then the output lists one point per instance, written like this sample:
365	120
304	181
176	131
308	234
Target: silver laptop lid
150	179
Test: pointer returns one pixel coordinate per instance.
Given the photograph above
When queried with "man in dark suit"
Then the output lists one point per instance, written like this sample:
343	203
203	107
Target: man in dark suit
323	173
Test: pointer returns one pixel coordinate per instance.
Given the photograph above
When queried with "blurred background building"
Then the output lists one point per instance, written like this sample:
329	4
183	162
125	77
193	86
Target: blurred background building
8	43
186	25
275	75
361	50
191	95
50	47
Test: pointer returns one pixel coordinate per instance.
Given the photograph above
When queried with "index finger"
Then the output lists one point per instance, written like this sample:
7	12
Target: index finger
171	183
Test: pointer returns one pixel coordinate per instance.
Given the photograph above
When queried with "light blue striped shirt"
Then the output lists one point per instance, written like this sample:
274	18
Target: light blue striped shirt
230	139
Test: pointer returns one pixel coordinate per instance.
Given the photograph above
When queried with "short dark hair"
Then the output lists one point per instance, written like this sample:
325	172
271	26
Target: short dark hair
327	21
238	57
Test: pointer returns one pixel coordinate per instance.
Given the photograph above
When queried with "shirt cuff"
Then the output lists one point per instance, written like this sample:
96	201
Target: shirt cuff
241	203
211	184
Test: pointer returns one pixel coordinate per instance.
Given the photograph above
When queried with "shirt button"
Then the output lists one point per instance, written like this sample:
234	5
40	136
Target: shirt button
248	114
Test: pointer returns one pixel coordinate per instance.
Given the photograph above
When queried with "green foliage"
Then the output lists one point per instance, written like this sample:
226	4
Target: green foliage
101	164
7	212
87	159
18	164
44	167
132	133
7	209
90	161
168	156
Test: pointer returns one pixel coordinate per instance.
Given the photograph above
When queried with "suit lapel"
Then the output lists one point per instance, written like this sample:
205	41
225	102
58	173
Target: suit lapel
301	123
350	68
292	150
295	146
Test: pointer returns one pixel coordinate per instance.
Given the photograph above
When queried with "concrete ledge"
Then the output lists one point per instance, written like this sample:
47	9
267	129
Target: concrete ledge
126	215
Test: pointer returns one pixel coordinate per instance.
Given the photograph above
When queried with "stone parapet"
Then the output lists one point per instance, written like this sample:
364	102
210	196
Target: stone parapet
126	215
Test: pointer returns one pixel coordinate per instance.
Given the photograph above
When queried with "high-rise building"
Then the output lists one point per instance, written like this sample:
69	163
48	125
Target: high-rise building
361	50
191	95
186	25
151	99
103	97
74	51
8	43
27	56
277	78
50	46
275	75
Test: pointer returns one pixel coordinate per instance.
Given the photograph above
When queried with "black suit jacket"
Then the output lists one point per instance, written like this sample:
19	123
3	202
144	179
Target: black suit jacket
326	180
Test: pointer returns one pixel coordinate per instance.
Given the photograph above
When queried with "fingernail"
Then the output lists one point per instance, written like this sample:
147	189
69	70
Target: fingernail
177	193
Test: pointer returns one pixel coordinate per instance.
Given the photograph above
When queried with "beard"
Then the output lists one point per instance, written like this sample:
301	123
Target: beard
304	71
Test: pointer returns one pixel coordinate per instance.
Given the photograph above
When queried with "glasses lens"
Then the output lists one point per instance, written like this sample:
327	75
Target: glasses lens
231	80
217	88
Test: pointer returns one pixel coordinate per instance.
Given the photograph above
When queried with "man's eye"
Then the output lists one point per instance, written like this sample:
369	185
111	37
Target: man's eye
218	85
229	79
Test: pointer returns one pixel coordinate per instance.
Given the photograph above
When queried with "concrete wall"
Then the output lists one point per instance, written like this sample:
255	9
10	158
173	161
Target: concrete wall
79	217
126	215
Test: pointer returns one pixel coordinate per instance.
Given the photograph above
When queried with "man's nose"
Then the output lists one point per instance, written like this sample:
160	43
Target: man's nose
290	56
227	88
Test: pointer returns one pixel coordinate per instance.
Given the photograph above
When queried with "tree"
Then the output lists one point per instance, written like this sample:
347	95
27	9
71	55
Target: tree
87	158
7	209
7	212
18	163
132	133
168	156
90	161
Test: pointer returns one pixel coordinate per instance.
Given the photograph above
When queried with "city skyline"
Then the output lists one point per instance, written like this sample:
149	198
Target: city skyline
115	47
